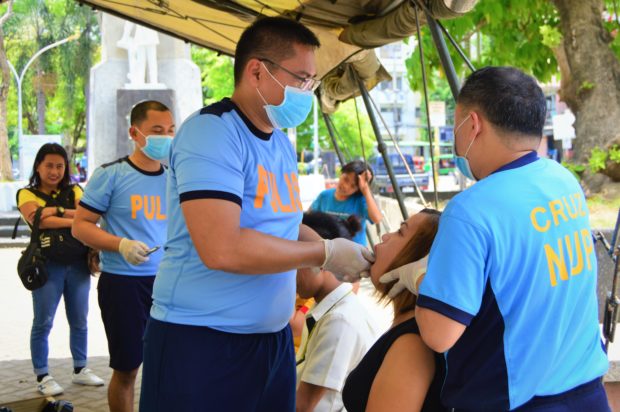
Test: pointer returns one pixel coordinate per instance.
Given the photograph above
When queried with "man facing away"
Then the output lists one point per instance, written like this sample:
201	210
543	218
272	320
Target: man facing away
510	291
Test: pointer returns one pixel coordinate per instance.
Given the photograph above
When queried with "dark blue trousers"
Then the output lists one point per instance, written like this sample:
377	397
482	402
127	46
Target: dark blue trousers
589	397
196	368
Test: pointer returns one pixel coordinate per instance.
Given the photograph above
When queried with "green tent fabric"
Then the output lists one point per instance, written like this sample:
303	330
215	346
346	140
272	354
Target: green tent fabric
348	29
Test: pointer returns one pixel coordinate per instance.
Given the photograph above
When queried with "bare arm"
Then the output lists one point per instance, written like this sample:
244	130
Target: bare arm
404	377
85	229
373	210
308	396
70	213
439	332
49	220
297	323
222	244
307	234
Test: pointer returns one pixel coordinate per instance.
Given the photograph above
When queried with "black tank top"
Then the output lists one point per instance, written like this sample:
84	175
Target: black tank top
357	387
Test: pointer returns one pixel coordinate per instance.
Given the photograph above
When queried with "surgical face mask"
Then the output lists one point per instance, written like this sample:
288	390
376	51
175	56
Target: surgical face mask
461	162
294	108
157	147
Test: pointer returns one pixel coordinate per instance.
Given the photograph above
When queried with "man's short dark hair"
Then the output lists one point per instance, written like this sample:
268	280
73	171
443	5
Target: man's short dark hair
139	111
510	99
271	38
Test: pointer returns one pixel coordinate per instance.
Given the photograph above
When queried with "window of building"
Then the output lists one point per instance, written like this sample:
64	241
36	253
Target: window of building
390	51
399	82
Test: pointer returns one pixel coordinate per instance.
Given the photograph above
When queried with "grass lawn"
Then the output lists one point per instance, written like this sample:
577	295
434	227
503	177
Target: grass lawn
603	212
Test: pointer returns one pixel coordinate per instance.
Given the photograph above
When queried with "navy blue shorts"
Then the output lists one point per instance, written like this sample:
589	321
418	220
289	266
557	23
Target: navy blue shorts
196	368
125	303
590	397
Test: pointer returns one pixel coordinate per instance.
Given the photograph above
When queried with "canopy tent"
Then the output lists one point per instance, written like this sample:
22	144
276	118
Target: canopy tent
348	29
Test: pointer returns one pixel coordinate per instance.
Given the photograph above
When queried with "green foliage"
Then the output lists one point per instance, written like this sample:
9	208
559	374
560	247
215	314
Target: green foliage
65	69
614	154
585	86
576	169
216	73
597	160
551	36
302	168
505	32
496	32
345	123
613	24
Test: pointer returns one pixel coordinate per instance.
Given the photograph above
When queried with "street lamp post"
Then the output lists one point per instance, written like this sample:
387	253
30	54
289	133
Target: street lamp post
19	79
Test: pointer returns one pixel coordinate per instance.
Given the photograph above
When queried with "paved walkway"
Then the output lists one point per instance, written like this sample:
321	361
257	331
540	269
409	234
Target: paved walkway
17	381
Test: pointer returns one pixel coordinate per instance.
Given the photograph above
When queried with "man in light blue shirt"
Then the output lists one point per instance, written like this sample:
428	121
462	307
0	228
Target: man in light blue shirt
128	196
510	289
218	333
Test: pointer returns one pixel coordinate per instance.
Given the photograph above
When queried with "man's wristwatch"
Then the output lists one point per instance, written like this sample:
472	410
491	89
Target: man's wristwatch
60	211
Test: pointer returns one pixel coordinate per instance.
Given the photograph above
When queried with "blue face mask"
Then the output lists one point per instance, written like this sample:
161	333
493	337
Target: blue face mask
461	162
157	147
294	108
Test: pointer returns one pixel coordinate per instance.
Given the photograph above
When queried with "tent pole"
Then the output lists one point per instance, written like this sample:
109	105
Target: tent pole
382	149
456	46
444	55
332	136
434	166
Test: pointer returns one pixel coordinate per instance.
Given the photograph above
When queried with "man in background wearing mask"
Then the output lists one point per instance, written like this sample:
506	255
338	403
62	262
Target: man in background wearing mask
218	336
510	288
129	196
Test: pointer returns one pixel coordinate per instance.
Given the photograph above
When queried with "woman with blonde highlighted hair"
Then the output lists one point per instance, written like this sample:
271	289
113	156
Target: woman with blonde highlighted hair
399	372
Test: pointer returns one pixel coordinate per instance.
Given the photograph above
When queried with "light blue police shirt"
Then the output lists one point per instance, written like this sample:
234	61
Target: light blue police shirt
514	261
219	154
131	202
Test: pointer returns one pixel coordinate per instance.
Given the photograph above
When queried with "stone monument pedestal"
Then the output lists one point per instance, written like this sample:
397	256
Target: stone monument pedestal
125	100
113	92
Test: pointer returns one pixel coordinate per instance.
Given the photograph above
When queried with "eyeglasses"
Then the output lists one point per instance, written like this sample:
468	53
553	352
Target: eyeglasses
305	83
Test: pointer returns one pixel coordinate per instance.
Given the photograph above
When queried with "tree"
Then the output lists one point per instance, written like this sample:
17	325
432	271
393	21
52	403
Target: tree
35	24
74	61
544	38
216	74
55	90
590	73
345	122
6	170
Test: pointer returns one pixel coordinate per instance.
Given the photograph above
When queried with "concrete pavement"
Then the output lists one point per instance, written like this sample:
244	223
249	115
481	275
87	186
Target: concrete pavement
17	381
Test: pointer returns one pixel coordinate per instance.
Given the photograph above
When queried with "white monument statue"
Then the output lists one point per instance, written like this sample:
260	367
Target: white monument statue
135	61
142	55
